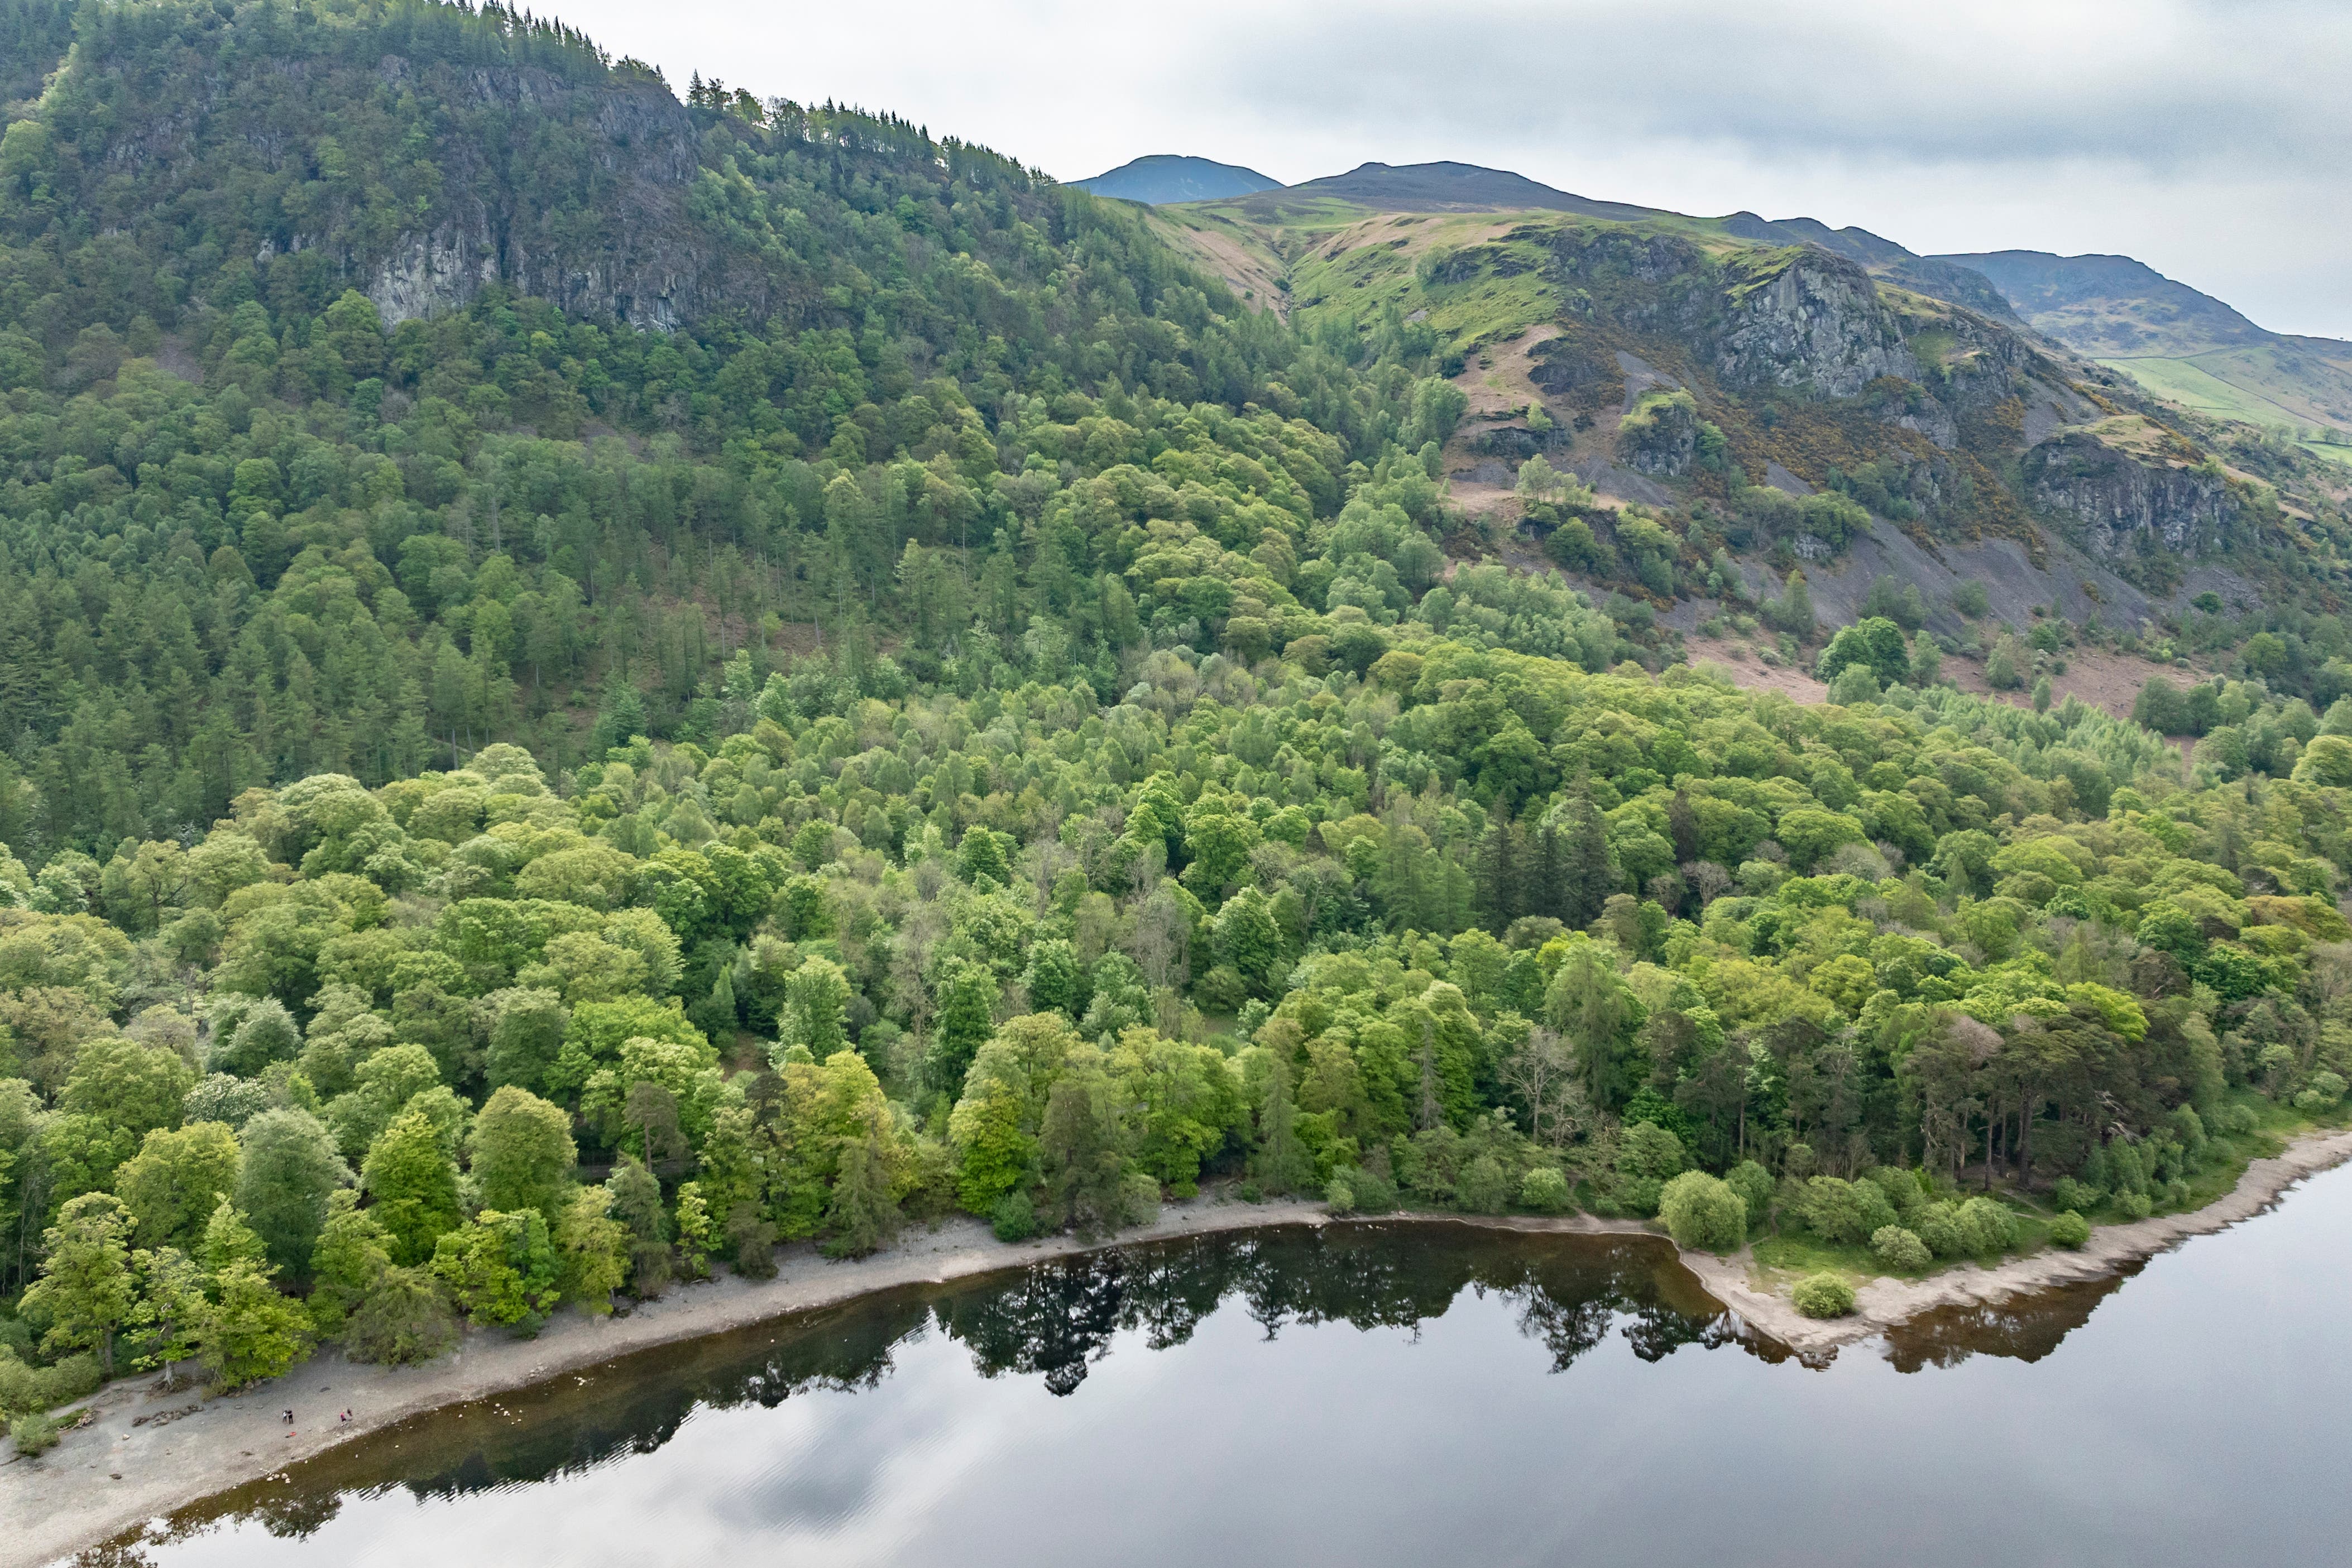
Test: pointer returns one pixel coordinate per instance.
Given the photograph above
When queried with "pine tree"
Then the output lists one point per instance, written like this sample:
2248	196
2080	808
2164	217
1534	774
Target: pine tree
864	1217
1498	880
1548	880
1078	1145
1282	1163
1591	870
637	1203
1681	822
1426	1060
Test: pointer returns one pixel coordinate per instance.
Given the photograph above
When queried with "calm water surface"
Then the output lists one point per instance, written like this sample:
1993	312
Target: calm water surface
1391	1395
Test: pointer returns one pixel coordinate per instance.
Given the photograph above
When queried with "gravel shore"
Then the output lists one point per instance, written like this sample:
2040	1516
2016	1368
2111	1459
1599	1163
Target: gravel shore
145	1453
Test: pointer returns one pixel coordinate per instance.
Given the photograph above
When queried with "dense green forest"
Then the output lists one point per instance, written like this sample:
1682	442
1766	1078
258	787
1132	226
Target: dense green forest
525	803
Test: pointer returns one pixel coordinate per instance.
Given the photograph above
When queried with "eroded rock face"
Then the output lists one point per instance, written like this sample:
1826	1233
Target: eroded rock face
1818	324
430	272
575	189
642	264
2119	499
1662	439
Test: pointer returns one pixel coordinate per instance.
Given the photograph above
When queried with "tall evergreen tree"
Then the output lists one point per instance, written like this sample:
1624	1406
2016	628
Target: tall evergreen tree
1592	869
1547	875
1500	879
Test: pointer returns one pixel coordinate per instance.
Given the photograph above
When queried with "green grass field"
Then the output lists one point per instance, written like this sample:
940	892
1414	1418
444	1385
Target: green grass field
2190	385
2251	385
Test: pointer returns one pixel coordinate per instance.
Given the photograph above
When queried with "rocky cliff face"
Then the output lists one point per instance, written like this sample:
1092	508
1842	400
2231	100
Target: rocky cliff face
1660	436
1818	323
633	163
413	169
2120	500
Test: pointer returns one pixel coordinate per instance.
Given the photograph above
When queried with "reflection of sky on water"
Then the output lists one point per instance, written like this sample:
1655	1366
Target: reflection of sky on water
2195	1416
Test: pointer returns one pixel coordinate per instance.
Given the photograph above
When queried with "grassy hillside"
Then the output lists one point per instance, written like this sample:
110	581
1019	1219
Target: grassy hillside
2181	345
2298	390
2112	305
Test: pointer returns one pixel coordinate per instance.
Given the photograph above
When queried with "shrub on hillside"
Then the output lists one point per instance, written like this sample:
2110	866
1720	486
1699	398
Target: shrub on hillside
1375	1194
1014	1217
1844	1211
33	1435
1485	1187
2080	1197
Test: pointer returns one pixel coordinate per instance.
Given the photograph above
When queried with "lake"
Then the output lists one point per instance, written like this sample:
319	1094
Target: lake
1390	1393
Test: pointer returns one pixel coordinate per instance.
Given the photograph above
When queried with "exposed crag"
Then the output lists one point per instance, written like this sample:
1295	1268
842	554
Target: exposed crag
400	157
2121	502
1810	320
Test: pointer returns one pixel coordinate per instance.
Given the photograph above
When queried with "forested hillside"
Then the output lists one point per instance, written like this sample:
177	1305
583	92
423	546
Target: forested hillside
938	707
255	527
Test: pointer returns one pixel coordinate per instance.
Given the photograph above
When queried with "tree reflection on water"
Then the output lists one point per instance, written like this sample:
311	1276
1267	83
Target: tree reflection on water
1055	1318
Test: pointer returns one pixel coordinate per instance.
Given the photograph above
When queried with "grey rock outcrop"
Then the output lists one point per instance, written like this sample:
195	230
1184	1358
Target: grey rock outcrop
2119	499
644	264
1818	324
1660	436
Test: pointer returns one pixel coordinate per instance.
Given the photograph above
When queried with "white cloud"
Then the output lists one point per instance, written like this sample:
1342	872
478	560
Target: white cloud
2204	137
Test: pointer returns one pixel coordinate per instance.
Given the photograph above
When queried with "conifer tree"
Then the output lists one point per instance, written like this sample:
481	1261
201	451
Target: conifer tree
636	1203
1499	875
1591	870
1281	1163
1547	877
864	1217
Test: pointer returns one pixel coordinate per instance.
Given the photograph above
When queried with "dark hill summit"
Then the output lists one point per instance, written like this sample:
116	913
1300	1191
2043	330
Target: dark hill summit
1162	178
1448	188
2111	305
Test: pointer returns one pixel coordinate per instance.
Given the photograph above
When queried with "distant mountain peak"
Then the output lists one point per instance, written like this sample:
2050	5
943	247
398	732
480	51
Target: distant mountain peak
2112	306
1158	179
1449	187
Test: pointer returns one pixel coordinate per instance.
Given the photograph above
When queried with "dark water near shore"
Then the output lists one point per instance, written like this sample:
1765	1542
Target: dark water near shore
1391	1395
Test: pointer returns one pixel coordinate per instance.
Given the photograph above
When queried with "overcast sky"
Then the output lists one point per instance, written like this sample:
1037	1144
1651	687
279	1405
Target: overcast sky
2207	138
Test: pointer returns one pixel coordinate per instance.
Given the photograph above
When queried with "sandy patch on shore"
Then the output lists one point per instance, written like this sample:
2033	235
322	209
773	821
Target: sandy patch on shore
117	1472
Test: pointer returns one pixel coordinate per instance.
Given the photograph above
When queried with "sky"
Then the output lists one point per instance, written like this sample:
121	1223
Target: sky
2205	137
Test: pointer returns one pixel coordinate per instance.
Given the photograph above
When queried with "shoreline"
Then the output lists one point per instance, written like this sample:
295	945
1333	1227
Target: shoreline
109	1476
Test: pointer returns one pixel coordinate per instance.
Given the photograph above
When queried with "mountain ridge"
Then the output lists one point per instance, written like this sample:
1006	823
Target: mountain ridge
1442	186
2178	342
